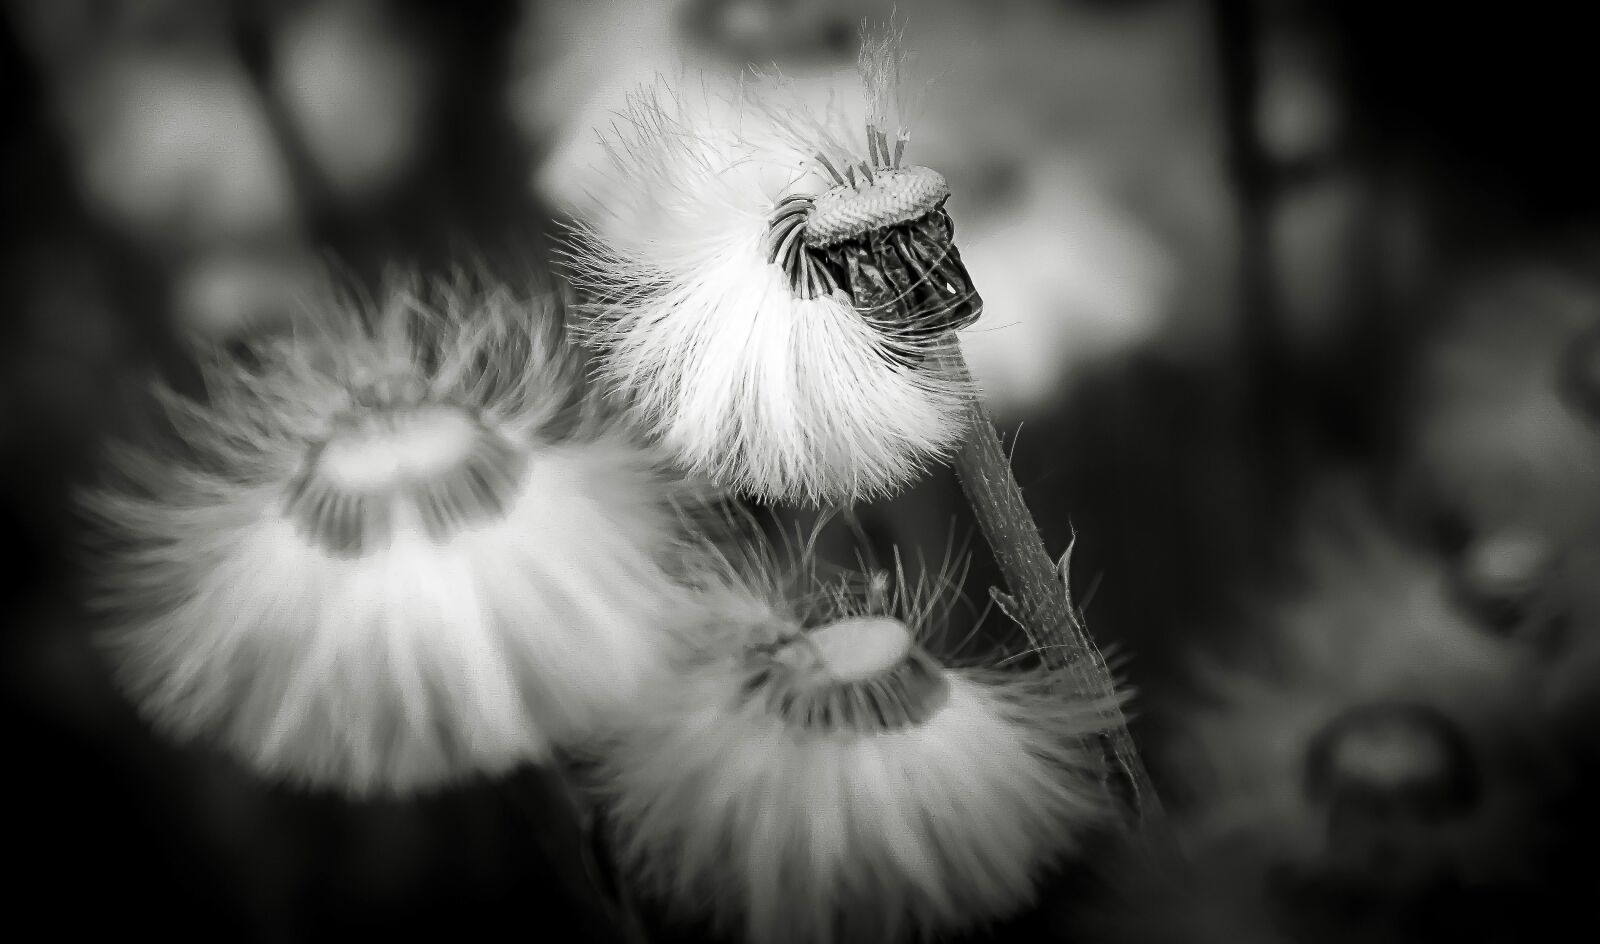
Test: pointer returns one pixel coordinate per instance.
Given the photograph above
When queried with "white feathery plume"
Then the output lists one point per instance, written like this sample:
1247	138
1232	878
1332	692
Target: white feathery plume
813	773
769	282
388	549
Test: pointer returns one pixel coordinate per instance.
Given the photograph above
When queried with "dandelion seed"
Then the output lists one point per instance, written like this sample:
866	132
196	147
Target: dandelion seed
814	773
390	550
769	283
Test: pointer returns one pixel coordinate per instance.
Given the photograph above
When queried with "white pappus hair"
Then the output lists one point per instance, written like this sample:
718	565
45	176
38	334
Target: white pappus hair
391	548
795	783
781	392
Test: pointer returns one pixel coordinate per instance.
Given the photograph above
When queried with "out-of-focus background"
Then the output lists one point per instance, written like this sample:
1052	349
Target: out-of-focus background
1292	317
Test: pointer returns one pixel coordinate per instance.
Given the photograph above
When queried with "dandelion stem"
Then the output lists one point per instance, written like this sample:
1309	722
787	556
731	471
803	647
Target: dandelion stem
1039	599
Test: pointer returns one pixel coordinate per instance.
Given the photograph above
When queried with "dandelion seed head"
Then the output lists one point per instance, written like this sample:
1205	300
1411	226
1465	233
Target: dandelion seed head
814	773
1506	452
1374	694
434	464
757	272
390	547
890	197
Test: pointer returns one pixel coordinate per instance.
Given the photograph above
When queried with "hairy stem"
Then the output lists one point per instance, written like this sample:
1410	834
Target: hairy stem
1038	600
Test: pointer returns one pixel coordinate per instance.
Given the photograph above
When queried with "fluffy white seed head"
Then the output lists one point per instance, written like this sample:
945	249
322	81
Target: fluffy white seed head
813	773
754	365
388	549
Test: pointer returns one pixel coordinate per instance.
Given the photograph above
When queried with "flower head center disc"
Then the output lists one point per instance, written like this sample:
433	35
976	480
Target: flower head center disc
862	675
890	197
382	449
437	461
860	647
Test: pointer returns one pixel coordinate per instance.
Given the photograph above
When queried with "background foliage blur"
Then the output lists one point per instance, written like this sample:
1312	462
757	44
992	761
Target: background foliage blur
1215	238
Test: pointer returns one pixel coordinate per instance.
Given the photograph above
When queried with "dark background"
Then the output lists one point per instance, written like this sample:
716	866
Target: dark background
1313	180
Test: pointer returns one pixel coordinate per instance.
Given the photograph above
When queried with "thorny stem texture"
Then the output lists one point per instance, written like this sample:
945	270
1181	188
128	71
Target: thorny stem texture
1039	601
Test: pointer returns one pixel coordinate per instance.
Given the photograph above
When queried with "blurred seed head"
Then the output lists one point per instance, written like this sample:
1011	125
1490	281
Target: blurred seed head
391	547
1386	737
